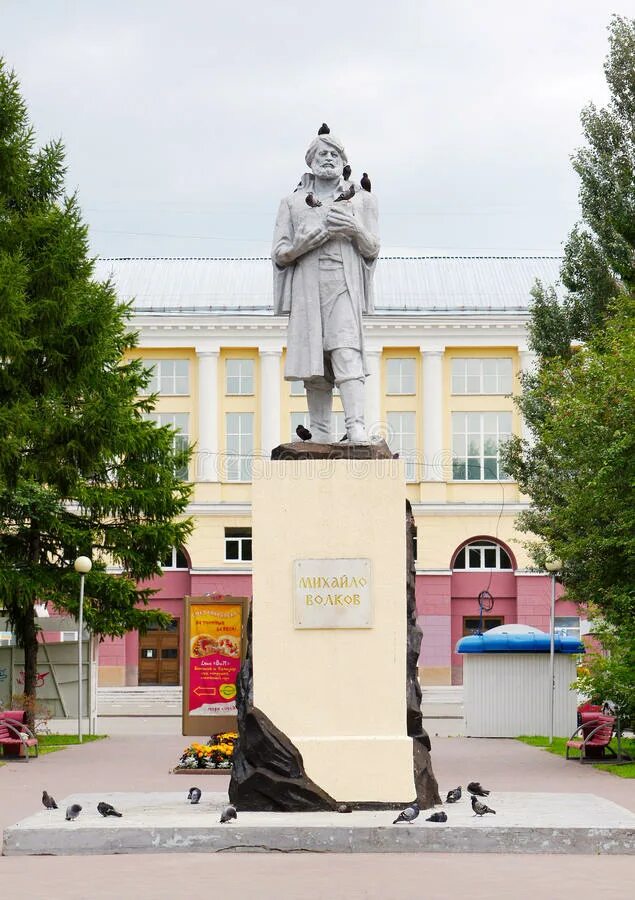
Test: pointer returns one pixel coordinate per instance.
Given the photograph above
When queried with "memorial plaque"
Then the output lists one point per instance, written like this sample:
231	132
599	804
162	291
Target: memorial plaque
332	593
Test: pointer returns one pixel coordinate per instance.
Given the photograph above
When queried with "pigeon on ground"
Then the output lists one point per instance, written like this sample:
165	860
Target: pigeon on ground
107	810
475	788
365	182
72	811
48	801
438	817
324	129
409	814
454	795
480	809
312	201
228	814
303	433
346	172
194	795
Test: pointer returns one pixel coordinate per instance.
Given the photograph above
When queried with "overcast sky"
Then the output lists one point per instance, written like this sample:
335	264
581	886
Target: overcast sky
186	122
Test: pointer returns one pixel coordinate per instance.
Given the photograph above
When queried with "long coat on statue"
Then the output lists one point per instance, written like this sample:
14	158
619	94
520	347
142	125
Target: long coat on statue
296	286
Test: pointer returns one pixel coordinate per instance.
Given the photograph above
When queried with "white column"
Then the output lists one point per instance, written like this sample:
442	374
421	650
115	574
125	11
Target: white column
527	364
432	394
206	454
373	393
269	399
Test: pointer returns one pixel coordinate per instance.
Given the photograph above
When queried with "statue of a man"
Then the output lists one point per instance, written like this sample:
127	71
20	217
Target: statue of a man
325	247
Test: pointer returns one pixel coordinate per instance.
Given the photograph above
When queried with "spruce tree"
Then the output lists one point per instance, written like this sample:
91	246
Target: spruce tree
82	469
579	469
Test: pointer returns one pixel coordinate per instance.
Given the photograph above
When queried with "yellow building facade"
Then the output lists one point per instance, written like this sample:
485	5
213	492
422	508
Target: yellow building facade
446	349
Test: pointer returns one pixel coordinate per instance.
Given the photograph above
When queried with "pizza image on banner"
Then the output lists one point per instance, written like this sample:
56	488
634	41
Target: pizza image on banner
215	642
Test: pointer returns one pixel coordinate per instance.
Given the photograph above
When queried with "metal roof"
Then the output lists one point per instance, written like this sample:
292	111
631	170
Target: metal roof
403	285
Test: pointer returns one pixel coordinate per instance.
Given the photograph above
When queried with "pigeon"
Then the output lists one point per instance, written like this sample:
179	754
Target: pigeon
409	814
475	788
480	809
365	182
48	801
194	795
72	811
228	814
454	795
324	129
312	201
107	810
438	817
346	172
346	195
303	433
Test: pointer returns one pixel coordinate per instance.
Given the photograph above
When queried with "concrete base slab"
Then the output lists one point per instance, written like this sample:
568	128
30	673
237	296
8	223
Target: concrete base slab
167	823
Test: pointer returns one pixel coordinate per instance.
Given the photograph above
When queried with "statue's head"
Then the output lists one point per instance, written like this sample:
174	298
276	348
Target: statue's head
326	156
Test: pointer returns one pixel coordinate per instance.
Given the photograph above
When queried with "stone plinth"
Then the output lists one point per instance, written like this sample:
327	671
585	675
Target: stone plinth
337	692
341	450
164	823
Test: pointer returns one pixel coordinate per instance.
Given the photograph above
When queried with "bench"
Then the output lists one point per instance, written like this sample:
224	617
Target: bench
593	743
14	735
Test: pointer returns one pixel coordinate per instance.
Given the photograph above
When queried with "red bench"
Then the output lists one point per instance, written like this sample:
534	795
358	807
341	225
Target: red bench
593	743
14	735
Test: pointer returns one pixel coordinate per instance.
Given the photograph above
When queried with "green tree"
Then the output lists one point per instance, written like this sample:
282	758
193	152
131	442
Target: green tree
82	469
579	468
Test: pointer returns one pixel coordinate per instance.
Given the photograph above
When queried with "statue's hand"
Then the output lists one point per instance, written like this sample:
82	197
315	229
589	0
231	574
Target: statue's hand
341	223
303	242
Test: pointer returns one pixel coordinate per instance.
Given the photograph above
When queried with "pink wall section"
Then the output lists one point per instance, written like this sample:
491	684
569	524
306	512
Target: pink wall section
233	585
171	588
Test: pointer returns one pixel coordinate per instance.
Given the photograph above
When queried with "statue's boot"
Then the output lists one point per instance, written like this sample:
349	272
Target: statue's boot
352	394
320	403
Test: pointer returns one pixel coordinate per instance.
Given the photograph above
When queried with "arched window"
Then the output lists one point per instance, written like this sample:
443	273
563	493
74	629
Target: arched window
482	554
175	559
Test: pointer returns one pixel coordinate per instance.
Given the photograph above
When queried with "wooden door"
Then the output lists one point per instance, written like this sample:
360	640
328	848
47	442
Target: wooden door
159	656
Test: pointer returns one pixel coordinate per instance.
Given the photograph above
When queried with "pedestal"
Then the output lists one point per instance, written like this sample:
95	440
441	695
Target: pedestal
329	620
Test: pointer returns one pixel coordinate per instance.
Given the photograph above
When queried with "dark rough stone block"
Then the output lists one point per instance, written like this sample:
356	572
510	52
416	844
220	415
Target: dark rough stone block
268	771
309	450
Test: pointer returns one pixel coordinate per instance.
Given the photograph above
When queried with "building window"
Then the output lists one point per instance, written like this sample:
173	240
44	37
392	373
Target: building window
482	555
476	441
238	545
402	438
239	430
338	426
175	558
181	439
401	376
239	376
482	376
472	624
297	389
567	626
169	376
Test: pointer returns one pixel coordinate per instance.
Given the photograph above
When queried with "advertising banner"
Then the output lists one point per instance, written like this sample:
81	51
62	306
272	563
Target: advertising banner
211	661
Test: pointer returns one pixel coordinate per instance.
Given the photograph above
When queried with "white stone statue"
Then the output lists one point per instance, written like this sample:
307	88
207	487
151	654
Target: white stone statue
325	246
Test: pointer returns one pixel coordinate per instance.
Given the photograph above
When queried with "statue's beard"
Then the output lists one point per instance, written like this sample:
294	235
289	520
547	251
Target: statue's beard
326	172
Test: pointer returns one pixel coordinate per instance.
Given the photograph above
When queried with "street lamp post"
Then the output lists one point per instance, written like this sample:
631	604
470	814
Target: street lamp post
553	567
83	566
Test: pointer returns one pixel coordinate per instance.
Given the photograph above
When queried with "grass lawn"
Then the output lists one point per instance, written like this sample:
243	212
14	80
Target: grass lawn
559	745
51	743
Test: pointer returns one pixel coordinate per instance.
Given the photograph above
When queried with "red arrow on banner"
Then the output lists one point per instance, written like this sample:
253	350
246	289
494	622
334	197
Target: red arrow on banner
200	691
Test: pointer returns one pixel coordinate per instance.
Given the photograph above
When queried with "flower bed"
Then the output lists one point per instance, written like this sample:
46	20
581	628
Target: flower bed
216	754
